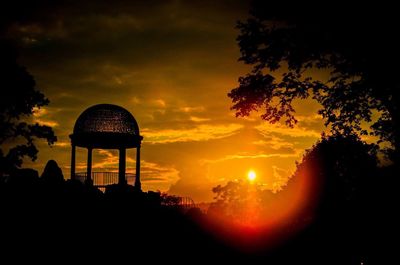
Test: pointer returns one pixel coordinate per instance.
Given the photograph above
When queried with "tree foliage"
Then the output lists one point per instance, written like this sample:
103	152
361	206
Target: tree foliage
345	170
357	50
19	98
240	201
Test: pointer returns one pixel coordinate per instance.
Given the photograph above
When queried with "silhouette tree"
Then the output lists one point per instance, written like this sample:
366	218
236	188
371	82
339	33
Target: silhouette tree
344	168
170	200
17	103
345	171
238	200
358	57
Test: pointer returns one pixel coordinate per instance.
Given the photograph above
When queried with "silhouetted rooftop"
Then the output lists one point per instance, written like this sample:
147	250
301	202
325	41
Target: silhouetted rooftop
106	126
106	118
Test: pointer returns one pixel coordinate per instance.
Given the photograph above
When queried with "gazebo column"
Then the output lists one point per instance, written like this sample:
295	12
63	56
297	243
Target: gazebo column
138	184
73	161
89	166
122	166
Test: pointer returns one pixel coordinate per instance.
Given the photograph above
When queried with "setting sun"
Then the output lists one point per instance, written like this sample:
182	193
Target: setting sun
251	175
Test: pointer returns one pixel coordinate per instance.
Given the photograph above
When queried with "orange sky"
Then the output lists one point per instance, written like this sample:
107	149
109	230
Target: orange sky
171	63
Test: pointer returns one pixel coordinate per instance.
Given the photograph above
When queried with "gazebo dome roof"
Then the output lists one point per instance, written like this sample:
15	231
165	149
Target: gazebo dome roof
106	118
106	126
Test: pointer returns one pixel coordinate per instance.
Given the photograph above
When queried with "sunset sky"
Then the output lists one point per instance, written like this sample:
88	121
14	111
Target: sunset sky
171	64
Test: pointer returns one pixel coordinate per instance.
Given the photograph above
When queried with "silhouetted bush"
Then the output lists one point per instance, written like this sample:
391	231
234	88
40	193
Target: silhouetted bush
52	173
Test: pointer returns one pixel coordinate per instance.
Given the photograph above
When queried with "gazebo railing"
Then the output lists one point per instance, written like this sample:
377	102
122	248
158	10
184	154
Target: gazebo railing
102	179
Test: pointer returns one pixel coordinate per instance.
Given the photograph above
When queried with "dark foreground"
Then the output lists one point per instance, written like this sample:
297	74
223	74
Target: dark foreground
65	221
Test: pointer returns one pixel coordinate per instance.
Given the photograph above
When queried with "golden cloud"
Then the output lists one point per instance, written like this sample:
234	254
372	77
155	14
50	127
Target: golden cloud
274	143
203	132
247	156
192	109
40	116
198	119
62	144
298	131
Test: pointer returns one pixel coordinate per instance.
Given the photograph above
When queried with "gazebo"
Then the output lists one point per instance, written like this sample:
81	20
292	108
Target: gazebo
106	126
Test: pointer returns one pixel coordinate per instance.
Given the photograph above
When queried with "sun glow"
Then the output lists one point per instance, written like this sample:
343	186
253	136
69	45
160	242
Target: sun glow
258	219
251	175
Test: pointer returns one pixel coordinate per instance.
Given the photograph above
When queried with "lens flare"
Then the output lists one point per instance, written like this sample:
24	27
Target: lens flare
255	220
